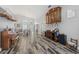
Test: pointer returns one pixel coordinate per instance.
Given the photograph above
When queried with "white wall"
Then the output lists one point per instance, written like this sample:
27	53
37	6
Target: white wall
32	11
24	21
69	26
5	23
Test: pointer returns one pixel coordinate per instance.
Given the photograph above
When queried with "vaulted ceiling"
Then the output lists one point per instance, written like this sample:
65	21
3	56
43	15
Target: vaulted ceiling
32	11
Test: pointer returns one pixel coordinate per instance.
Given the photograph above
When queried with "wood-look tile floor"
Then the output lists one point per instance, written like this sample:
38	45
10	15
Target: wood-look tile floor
27	46
39	45
23	45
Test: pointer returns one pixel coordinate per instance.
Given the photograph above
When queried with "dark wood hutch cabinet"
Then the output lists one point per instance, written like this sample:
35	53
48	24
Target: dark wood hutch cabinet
53	15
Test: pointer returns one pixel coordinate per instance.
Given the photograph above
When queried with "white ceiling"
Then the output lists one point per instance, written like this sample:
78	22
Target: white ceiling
32	11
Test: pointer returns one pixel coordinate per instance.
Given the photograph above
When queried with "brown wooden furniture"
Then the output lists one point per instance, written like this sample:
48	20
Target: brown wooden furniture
51	35
7	16
5	40
53	15
13	40
48	34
